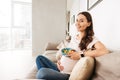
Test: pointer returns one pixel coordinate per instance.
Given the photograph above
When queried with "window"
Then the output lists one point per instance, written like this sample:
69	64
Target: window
15	24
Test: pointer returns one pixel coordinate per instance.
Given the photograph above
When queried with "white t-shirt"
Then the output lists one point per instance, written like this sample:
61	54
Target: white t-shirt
69	63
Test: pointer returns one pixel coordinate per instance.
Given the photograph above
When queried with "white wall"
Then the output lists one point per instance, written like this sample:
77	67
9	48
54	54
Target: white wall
106	21
69	4
106	16
77	6
49	22
74	10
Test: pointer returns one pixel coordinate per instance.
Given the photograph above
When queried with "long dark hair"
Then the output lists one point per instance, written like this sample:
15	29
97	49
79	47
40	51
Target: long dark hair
88	37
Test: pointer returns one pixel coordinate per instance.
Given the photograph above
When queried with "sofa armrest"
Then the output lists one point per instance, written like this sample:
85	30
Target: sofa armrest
107	66
51	46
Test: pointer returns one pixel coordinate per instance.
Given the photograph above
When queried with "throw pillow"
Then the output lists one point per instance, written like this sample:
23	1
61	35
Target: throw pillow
83	69
63	44
51	46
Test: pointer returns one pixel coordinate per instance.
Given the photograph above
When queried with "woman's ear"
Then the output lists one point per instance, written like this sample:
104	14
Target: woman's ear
89	23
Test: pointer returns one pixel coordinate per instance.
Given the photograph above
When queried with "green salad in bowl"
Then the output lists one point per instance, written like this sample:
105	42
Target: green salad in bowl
67	51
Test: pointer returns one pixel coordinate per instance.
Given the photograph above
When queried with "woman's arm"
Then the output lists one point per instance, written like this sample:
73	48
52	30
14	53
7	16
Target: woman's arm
99	50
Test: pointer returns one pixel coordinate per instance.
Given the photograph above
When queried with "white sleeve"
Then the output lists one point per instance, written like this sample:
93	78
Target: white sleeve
92	43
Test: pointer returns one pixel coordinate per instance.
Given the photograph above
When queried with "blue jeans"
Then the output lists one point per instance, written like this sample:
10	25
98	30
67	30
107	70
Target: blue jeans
48	70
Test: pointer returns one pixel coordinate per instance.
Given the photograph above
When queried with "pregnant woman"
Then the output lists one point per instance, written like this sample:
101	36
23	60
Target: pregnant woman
84	43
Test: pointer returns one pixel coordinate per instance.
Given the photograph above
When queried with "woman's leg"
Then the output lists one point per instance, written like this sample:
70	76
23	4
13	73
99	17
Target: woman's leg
43	62
50	74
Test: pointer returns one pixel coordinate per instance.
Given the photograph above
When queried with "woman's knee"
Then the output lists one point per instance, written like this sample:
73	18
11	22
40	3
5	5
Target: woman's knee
42	73
39	57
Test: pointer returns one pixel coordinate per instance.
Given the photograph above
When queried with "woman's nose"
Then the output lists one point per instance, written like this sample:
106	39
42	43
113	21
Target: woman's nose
76	23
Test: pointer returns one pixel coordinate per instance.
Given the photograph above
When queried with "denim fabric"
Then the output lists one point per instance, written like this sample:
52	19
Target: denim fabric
43	62
50	74
48	70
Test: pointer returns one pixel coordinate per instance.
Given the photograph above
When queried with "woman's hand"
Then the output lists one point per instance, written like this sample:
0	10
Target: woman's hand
60	67
74	55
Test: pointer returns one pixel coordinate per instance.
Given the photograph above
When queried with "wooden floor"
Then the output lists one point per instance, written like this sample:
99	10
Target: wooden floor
15	64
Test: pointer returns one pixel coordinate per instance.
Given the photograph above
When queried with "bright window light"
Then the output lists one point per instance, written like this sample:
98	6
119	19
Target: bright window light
15	24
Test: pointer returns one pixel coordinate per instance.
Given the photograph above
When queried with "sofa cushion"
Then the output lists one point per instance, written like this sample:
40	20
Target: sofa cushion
51	54
63	44
51	46
83	69
108	67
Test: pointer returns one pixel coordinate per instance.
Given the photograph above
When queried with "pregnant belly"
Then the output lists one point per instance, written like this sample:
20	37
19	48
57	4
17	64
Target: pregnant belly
67	63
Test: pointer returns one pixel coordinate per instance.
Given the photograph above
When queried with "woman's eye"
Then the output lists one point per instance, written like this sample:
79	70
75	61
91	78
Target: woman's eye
81	21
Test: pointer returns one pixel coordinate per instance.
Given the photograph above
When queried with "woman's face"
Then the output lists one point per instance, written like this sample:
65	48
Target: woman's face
81	23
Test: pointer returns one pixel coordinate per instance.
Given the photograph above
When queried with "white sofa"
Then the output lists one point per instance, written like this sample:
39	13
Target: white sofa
100	68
